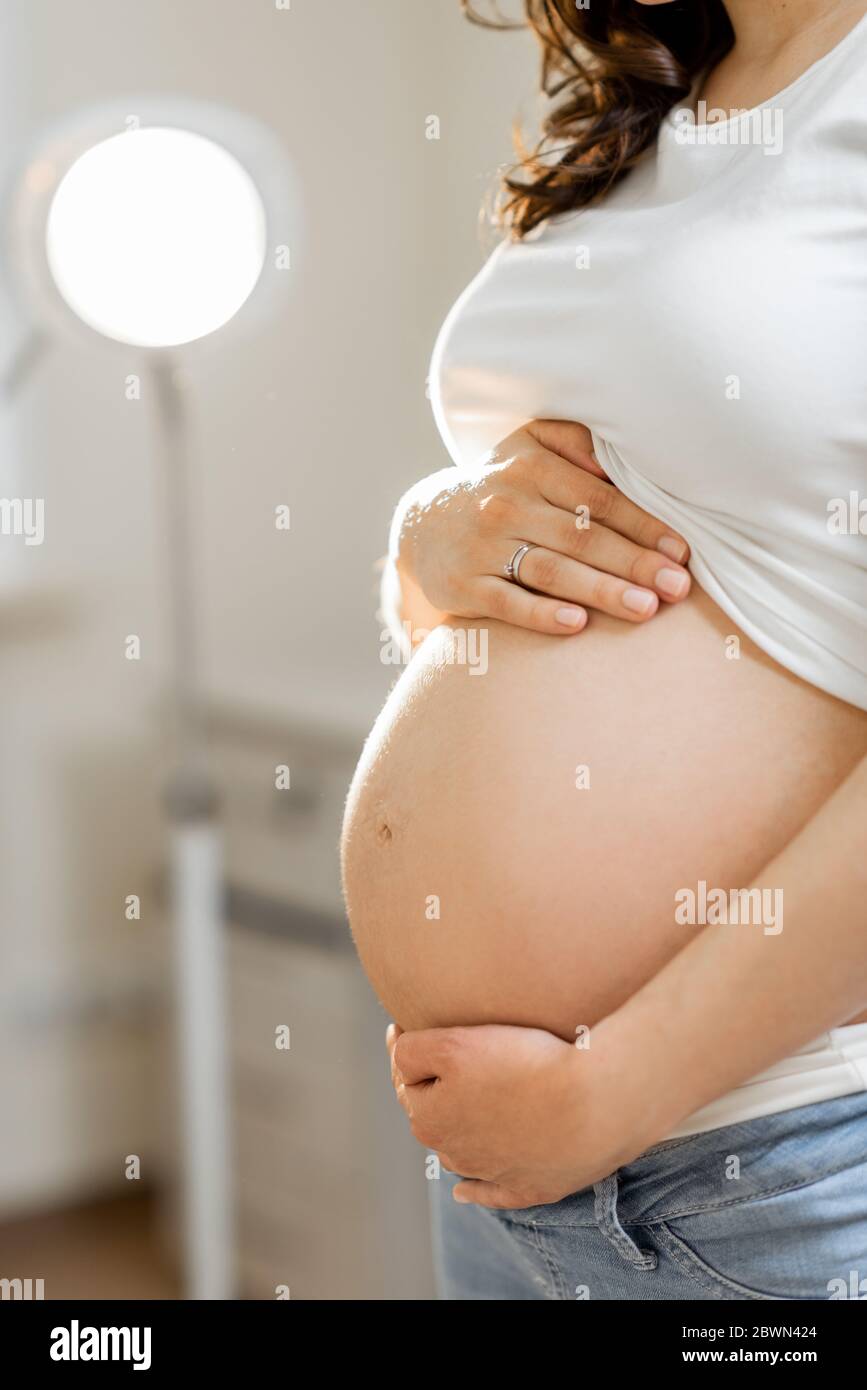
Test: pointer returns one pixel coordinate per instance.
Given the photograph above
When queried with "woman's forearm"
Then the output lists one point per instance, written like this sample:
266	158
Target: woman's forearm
738	999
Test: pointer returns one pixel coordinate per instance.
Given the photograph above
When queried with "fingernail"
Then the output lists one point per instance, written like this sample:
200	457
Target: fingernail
639	600
459	1197
571	617
672	583
674	549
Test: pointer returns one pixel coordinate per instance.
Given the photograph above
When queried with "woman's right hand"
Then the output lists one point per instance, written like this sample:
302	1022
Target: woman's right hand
455	532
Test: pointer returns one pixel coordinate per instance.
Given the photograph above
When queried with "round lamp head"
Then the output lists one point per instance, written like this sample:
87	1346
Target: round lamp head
156	236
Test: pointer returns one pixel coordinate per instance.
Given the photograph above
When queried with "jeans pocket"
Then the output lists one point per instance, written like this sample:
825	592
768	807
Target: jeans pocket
802	1243
700	1272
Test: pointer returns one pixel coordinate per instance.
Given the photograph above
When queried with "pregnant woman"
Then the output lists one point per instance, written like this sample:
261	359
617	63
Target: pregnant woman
610	881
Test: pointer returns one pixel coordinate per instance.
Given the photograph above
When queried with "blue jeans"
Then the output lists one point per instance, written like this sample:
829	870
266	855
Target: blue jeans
773	1208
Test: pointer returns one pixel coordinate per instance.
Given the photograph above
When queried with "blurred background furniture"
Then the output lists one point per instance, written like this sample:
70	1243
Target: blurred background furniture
329	1195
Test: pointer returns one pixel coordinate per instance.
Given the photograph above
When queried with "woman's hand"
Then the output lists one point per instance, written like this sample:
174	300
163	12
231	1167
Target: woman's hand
529	1118
454	533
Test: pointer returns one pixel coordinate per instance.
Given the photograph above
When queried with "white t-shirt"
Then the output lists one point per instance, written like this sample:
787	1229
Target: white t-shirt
708	322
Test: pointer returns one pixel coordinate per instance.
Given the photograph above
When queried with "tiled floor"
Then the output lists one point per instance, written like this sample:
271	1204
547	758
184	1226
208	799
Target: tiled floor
104	1250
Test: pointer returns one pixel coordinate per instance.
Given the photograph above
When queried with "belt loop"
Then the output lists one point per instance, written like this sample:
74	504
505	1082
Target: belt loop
605	1211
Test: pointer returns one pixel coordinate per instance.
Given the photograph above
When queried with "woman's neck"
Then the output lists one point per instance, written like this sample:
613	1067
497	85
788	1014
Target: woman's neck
775	42
763	28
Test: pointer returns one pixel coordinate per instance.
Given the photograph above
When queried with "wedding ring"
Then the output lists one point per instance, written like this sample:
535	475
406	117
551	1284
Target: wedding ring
513	569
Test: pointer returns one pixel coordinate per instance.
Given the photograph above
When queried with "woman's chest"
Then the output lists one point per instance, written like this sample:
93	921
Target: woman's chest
716	342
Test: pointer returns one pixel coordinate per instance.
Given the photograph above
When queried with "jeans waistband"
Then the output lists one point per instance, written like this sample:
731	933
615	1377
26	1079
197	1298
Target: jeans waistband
832	1066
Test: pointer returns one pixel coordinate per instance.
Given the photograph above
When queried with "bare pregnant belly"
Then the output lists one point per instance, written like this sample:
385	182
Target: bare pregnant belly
514	840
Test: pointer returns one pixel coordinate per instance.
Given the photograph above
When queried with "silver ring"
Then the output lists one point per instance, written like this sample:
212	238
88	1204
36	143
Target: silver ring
513	569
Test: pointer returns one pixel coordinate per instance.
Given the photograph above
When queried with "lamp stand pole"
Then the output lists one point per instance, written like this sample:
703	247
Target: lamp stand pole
196	892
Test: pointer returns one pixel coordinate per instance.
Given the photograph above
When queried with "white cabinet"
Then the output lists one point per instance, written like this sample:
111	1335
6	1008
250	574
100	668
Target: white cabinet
329	1187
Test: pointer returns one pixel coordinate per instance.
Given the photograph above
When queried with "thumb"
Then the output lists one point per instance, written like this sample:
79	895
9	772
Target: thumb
421	1056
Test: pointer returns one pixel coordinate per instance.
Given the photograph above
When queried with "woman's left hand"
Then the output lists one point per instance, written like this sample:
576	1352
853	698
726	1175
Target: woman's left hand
527	1117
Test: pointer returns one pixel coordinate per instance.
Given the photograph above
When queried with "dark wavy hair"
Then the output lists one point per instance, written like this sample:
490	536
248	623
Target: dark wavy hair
610	72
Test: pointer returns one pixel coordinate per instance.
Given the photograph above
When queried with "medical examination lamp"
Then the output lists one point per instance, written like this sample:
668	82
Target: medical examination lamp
167	231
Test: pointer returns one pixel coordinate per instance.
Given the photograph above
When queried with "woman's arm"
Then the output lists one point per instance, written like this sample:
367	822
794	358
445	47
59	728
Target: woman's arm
736	999
533	1118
